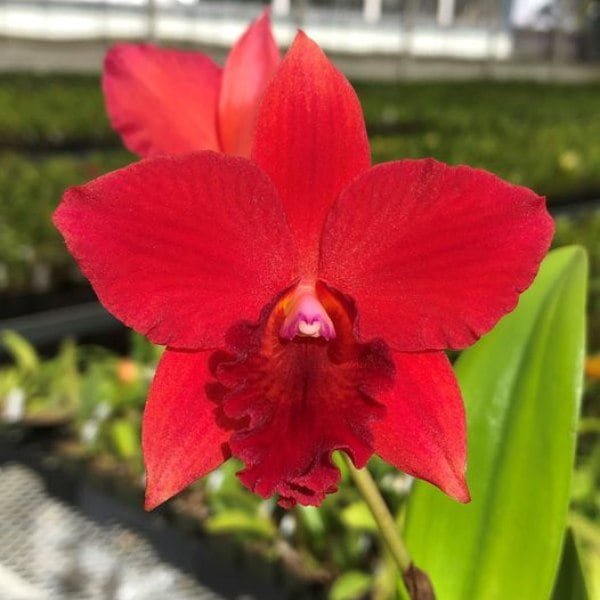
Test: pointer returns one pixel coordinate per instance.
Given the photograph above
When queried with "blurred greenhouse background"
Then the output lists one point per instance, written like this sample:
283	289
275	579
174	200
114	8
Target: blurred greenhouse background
512	86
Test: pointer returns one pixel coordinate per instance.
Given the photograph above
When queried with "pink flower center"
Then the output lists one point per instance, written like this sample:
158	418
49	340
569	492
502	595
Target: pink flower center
305	316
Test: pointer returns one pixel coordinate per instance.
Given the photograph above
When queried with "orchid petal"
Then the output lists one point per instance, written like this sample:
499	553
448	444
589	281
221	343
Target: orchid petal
183	437
250	66
423	432
433	255
310	139
162	100
181	247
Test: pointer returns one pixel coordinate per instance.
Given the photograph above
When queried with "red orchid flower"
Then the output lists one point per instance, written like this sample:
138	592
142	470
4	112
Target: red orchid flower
361	275
163	100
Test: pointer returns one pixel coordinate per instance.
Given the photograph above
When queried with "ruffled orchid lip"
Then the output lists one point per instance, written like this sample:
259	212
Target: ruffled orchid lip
305	316
307	397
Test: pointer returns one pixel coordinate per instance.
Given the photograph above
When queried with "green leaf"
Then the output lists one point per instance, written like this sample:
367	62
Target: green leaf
22	352
358	517
125	437
522	386
592	564
312	518
237	521
570	582
352	585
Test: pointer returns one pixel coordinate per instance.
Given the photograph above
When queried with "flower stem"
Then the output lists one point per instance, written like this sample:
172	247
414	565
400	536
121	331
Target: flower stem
414	583
385	522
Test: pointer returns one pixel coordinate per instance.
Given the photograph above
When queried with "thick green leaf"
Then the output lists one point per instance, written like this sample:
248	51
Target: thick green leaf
522	386
352	585
570	582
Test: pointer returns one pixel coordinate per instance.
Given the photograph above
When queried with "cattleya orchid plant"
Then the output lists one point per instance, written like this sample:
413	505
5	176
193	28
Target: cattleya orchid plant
305	297
163	100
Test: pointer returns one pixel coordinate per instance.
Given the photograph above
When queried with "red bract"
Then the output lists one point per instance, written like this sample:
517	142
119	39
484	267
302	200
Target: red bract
359	278
163	100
